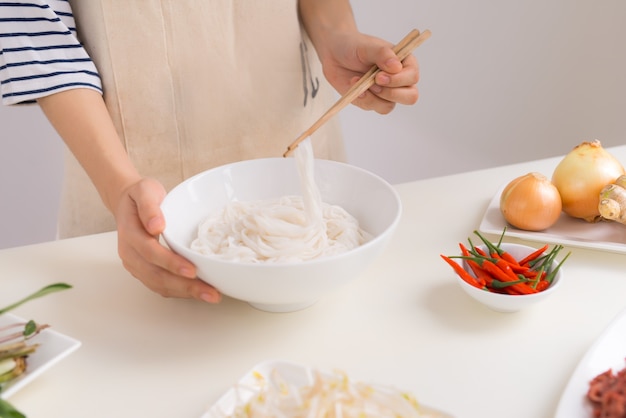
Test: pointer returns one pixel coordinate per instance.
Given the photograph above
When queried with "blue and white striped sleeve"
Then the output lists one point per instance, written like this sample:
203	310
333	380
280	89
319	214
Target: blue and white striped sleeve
40	53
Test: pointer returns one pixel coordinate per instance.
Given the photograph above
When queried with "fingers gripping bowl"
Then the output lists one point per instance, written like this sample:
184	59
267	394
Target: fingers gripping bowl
289	286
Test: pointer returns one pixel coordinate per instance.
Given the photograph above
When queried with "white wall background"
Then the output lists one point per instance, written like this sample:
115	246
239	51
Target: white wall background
502	82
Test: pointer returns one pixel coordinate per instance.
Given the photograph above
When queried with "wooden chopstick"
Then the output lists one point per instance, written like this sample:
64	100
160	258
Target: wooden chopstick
402	50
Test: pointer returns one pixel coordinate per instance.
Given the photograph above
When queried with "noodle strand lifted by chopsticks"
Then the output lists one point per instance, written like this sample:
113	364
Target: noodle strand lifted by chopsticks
286	229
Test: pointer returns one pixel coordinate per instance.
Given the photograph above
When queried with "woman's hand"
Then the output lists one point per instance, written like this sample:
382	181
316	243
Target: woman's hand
348	55
82	120
139	224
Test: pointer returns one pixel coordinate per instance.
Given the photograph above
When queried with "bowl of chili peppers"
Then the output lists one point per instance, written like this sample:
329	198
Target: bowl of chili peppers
507	277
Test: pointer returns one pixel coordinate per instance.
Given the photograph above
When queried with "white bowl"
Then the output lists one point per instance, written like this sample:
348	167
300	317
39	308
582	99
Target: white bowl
511	303
288	286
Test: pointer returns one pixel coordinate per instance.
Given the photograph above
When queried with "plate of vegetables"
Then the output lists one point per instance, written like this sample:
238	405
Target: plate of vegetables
583	203
50	347
606	236
279	388
27	349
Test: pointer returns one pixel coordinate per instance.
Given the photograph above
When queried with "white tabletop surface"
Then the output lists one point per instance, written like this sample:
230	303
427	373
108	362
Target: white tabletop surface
403	322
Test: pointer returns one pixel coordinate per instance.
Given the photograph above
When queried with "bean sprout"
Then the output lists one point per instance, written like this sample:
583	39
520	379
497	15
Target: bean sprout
330	395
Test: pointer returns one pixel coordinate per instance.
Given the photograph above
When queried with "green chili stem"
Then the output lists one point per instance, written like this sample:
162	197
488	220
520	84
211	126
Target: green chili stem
478	258
551	275
538	278
489	244
497	284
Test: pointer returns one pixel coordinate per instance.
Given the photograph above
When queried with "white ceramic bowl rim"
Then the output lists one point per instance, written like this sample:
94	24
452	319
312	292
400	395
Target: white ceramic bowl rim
372	241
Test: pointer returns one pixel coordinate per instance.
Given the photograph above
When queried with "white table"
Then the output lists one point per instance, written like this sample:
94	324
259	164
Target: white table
403	322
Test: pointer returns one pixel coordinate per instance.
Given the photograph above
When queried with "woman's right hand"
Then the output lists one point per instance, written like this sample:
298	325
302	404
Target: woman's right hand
139	225
82	120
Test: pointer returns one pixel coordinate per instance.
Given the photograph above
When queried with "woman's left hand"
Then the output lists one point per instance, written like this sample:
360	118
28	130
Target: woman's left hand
349	55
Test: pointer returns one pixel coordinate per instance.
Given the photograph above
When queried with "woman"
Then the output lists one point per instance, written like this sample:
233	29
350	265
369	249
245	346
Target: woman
188	85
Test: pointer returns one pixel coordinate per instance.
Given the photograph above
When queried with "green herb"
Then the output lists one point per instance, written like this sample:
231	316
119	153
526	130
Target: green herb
30	328
41	292
7	411
18	350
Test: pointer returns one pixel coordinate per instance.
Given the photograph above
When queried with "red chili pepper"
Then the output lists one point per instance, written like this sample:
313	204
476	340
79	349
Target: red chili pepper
464	250
508	257
501	275
532	274
481	275
481	251
483	278
530	257
462	272
506	268
542	285
512	265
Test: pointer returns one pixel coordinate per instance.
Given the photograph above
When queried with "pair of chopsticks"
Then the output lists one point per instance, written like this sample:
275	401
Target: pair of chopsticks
403	49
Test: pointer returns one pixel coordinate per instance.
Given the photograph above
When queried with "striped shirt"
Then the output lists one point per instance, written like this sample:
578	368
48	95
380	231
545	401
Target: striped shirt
40	53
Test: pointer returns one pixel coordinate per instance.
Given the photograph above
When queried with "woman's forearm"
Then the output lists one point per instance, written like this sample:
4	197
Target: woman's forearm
323	17
82	120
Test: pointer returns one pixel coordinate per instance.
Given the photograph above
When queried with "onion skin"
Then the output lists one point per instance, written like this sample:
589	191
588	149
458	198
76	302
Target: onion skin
581	175
531	202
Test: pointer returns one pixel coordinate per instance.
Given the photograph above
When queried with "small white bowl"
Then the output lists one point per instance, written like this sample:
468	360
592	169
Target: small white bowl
511	303
281	287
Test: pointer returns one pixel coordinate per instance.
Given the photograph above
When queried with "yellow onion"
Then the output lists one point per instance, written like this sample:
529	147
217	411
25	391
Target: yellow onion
581	175
531	202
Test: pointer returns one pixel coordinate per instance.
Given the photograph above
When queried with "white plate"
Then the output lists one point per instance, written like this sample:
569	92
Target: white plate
608	236
607	352
53	347
293	373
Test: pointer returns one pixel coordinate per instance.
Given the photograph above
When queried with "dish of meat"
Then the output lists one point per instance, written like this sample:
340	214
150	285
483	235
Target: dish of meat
608	352
607	392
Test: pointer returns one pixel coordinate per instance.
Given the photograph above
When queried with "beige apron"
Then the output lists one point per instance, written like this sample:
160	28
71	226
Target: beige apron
193	84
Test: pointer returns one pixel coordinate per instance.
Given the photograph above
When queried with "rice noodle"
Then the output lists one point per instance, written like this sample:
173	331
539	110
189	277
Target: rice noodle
285	229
